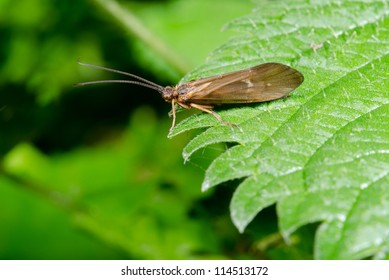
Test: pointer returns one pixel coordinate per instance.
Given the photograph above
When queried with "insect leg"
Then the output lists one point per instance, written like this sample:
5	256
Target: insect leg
183	105
173	112
206	110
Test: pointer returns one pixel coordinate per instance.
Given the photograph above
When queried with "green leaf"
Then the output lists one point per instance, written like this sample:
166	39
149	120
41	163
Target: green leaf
323	154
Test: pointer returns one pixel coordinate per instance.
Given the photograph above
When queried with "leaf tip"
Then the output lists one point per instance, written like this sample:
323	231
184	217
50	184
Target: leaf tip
240	226
186	156
205	185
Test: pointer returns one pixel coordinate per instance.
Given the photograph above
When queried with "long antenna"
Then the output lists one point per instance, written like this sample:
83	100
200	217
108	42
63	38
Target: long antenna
155	86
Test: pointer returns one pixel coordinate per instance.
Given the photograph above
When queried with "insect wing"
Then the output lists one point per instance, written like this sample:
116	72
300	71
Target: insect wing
257	84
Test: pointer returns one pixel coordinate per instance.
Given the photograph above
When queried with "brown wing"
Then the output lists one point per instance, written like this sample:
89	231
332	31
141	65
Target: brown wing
264	82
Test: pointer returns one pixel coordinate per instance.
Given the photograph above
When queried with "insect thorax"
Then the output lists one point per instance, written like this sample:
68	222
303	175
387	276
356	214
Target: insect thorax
178	93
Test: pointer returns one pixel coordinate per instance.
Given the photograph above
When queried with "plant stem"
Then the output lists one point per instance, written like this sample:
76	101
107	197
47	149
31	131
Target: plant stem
132	24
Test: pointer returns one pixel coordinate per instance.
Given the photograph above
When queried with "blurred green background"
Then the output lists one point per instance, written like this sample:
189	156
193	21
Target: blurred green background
88	172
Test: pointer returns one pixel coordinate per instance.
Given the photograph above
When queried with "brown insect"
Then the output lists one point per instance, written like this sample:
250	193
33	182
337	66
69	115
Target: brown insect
260	83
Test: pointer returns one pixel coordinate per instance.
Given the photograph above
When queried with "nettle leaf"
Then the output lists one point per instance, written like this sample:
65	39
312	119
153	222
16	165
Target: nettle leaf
323	153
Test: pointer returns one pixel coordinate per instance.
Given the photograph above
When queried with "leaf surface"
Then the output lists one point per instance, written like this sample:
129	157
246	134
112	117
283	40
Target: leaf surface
323	153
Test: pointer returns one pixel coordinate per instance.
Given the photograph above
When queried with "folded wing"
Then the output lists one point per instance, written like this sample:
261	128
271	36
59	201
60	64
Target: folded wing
264	82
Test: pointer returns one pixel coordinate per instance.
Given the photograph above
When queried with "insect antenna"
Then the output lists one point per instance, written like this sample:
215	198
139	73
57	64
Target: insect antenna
157	88
145	82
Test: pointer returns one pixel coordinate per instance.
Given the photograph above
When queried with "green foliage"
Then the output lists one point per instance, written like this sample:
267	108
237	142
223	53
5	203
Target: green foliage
321	154
124	193
166	31
87	173
182	23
